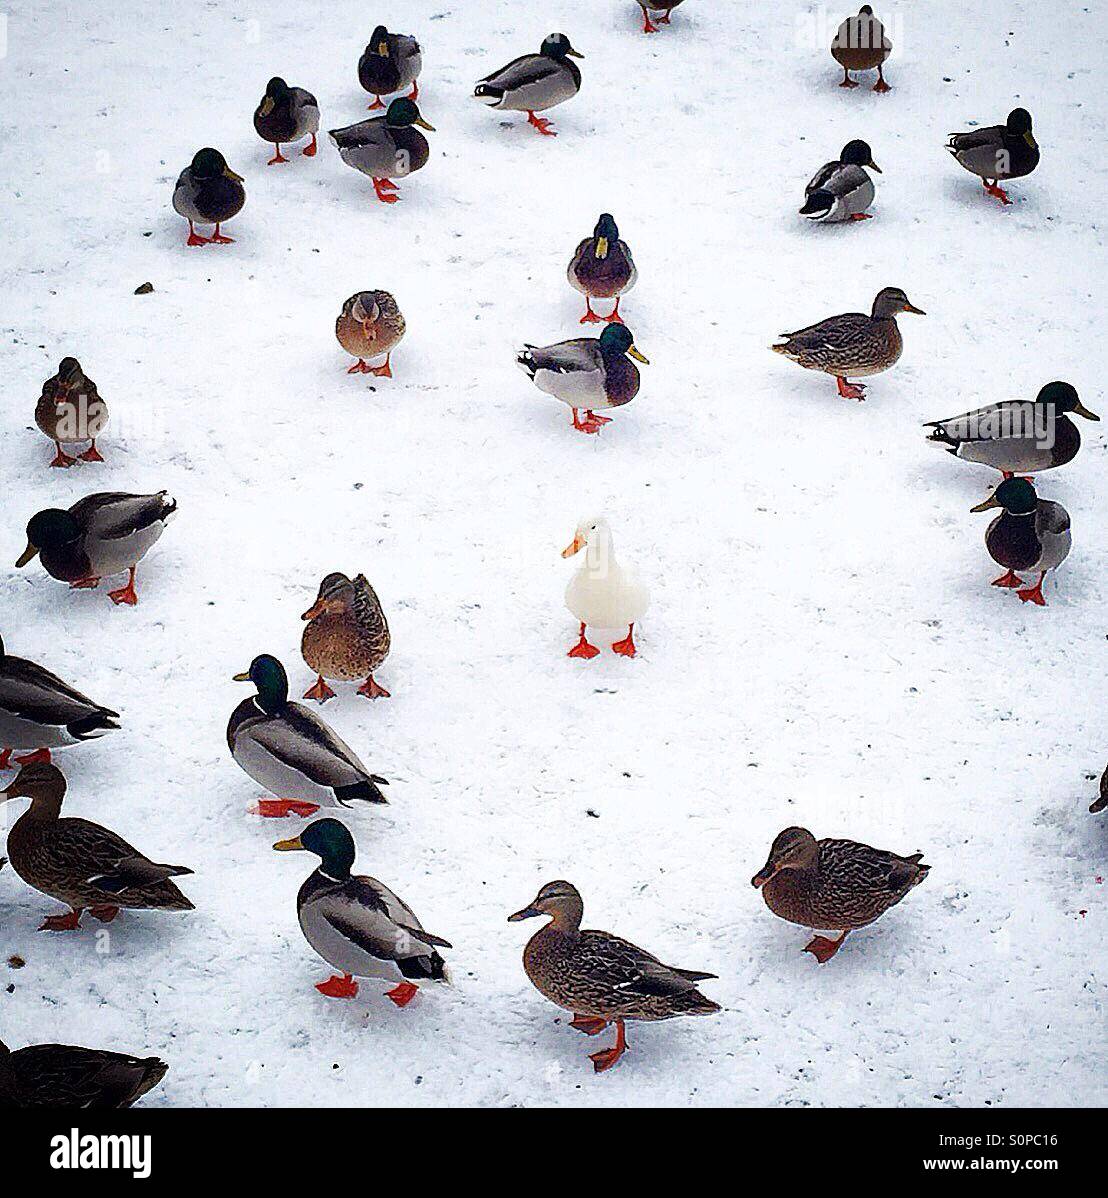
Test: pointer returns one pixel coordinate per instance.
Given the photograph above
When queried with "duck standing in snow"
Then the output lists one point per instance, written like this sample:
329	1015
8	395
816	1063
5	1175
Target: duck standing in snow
1007	151
370	325
356	924
833	884
602	978
99	535
40	712
861	45
385	147
602	594
1029	534
347	636
208	192
665	7
291	752
391	62
1016	437
75	1078
852	344
586	373
1102	802
534	82
286	114
842	191
602	268
80	863
69	410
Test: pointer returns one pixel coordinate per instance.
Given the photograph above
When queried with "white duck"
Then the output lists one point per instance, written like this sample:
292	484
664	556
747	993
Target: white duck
602	594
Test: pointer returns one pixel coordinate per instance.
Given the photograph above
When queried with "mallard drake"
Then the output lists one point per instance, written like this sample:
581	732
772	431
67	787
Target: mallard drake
391	62
1102	802
99	535
69	410
208	192
861	45
665	7
534	82
586	373
347	636
79	863
357	924
1029	534
602	978
833	884
385	146
602	268
842	191
1007	151
852	344
39	711
68	1076
286	114
291	752
369	325
602	594
1016	437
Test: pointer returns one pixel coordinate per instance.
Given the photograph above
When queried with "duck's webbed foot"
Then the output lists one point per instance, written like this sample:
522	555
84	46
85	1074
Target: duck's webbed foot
591	1025
403	993
371	690
850	390
583	648
61	923
336	987
1034	594
626	647
607	1057
384	189
281	808
320	691
1011	579
126	594
823	949
994	189
541	124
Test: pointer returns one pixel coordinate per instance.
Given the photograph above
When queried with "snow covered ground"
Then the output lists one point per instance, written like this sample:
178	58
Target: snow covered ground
823	647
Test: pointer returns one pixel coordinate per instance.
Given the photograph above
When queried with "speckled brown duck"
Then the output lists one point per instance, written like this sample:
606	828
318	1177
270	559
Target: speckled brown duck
369	326
860	44
68	1076
347	637
833	884
69	411
852	344
602	978
80	863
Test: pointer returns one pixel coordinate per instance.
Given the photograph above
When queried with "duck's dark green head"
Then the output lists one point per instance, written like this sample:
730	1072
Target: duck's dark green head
269	676
277	88
858	153
617	339
1064	398
49	529
605	234
330	841
557	45
379	42
404	112
1019	121
1015	495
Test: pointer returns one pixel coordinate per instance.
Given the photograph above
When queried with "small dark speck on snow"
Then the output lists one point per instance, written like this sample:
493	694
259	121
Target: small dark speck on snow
594	814
16	961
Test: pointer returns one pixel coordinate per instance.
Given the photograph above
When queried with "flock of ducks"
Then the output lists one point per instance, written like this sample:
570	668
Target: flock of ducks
355	923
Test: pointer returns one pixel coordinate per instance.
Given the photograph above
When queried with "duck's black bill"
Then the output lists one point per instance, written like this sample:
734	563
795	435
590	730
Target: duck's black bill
525	913
762	876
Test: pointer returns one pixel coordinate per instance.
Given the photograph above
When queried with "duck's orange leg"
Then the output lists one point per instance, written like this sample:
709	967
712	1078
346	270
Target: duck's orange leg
38	757
583	648
61	458
320	691
590	316
626	647
850	390
126	594
220	238
382	372
61	923
92	454
278	157
541	124
823	949
336	987
591	1025
384	189
1011	579
309	151
607	1057
371	690
194	238
1034	594
280	808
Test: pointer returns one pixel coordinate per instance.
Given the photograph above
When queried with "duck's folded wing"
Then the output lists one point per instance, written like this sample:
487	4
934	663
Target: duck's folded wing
360	912
846	180
299	739
861	867
113	515
406	46
32	693
982	424
373	132
977	139
1051	518
99	857
581	355
523	71
622	966
820	179
829	334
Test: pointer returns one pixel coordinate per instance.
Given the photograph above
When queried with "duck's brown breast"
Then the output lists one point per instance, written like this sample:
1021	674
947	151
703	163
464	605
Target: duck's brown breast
336	647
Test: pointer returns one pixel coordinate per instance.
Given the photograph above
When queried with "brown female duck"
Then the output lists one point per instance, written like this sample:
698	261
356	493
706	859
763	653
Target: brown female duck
70	409
66	1075
347	636
833	884
602	978
369	325
78	862
852	344
860	44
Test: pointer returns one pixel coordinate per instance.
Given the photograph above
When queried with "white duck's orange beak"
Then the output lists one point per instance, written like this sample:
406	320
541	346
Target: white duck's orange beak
577	544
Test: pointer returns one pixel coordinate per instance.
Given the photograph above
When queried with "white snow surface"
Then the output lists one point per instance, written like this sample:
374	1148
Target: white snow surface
823	647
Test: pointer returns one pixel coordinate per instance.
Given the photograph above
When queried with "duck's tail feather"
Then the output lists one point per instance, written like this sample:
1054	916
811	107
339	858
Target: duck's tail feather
368	791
